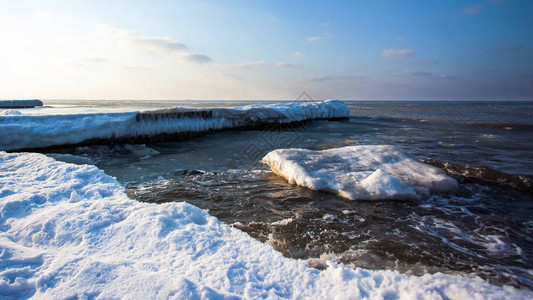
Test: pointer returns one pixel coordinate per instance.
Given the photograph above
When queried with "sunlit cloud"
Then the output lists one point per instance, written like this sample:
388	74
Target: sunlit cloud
397	53
259	64
94	59
331	78
233	76
399	39
318	38
244	65
406	73
423	74
425	62
164	44
473	9
498	2
196	58
446	76
509	48
298	54
284	65
137	68
153	44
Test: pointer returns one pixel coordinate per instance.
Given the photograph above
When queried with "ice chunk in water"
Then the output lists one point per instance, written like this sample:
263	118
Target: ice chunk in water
360	172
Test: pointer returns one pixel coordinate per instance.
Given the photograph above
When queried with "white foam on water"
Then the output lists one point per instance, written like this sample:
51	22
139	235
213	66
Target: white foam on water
360	172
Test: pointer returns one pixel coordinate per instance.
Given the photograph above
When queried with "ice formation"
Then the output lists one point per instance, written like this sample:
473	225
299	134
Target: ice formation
360	172
70	231
20	103
38	131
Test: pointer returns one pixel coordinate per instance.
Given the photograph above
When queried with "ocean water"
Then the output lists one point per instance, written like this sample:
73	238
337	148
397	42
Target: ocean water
483	229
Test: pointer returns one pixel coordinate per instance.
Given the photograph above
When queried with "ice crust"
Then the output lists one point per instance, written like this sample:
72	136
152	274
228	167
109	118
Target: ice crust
366	172
70	231
38	131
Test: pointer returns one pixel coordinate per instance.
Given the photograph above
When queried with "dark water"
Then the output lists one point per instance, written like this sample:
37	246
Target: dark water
485	228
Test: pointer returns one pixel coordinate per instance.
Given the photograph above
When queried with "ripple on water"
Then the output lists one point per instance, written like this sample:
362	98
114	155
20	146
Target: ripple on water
481	229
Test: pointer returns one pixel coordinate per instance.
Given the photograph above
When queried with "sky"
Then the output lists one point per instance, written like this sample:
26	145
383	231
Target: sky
266	50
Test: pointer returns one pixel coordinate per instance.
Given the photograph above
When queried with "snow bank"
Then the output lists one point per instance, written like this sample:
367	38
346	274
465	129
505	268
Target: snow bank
360	172
70	231
27	131
11	112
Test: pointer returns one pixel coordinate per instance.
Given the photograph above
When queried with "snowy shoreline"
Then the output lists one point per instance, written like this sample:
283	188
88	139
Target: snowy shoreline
18	131
71	231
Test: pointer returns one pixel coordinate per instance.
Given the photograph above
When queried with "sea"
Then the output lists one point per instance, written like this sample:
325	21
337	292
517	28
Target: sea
483	229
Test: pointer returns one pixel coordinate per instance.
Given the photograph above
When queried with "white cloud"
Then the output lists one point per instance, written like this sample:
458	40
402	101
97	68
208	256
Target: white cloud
473	9
399	39
423	74
509	48
324	24
94	59
331	78
137	68
426	62
298	54
406	73
163	44
196	58
318	38
284	65
498	2
398	53
446	76
245	65
152	44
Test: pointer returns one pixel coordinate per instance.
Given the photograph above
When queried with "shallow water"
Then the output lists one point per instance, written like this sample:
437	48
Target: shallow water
484	228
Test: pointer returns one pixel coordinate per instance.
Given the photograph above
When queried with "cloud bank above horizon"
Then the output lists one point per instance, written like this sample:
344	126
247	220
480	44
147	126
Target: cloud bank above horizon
239	50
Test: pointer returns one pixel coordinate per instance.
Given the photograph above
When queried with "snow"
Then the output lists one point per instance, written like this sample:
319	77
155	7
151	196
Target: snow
365	172
11	112
38	131
70	231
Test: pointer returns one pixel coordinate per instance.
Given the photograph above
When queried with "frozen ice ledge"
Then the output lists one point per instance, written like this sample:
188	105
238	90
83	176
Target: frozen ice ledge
30	132
20	103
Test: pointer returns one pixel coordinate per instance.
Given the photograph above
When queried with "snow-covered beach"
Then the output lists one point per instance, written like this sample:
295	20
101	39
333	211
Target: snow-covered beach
71	231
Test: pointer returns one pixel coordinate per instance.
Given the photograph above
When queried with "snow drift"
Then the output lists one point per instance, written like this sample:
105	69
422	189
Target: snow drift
70	231
360	172
26	131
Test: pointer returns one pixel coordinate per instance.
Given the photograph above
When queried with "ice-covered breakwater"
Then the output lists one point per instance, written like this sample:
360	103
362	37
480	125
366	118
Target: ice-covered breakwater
70	231
30	132
365	172
20	103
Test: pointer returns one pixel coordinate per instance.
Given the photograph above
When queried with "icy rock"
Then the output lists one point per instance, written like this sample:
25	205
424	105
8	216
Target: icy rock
366	172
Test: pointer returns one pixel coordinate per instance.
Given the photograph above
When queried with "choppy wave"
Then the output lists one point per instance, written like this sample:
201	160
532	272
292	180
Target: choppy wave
454	234
483	175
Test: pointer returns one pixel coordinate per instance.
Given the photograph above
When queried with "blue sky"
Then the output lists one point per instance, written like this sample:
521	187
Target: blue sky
367	50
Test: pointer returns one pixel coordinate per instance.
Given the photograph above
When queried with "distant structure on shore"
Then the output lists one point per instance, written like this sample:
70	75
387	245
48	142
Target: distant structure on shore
20	103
